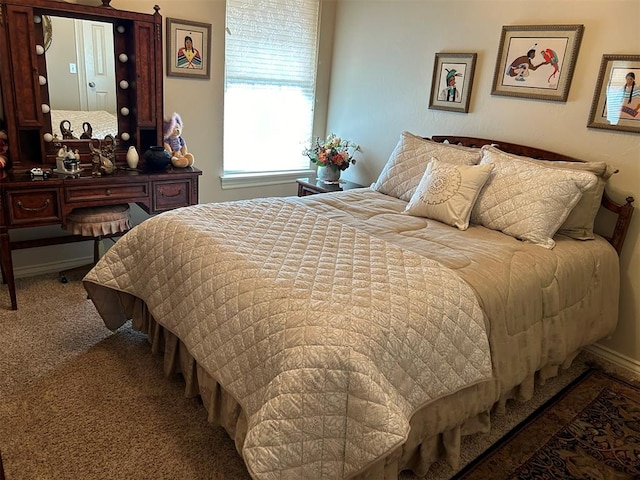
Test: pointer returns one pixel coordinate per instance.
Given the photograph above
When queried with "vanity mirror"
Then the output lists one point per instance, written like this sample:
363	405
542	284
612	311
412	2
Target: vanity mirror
81	77
71	72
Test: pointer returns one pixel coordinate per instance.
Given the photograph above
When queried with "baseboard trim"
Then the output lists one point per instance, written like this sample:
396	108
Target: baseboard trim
50	267
615	357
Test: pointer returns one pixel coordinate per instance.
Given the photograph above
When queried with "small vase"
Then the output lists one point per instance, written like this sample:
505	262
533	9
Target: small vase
156	159
329	174
132	157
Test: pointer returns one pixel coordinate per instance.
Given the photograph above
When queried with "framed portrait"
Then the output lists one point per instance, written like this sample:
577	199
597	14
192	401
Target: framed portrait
452	81
188	49
537	61
616	100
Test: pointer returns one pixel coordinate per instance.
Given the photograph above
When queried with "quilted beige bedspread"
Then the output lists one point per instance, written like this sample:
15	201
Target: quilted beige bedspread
329	337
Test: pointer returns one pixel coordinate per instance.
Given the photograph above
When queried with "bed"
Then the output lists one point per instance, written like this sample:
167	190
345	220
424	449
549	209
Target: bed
361	333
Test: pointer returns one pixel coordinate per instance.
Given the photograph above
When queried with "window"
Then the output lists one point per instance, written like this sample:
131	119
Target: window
270	58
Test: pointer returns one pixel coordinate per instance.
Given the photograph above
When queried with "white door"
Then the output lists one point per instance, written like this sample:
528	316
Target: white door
95	46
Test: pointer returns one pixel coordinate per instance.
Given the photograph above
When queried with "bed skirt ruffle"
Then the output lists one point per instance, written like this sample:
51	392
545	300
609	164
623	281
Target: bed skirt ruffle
436	429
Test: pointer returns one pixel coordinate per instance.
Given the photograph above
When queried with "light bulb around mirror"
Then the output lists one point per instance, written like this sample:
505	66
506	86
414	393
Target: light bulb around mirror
125	136
42	80
47	137
45	108
120	28
124	111
37	19
123	57
39	49
124	84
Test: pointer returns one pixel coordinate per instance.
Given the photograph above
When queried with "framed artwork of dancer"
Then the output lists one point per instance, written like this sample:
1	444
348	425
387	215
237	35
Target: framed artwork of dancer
188	48
616	100
452	81
537	61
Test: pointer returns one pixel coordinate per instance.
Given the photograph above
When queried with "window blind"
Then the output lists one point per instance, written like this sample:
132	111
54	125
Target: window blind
270	70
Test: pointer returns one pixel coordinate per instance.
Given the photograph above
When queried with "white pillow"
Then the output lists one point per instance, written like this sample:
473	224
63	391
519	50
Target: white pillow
408	161
527	200
448	192
579	223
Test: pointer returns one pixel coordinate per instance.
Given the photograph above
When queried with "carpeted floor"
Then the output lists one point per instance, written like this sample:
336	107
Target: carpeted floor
80	402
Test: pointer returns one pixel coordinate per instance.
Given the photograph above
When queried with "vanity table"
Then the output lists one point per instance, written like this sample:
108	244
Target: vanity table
38	202
112	65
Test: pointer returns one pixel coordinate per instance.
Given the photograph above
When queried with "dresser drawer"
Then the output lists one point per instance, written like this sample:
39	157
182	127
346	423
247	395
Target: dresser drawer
33	207
92	193
171	194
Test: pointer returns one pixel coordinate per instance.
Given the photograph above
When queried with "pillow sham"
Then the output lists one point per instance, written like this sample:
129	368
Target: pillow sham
408	162
579	223
447	192
526	199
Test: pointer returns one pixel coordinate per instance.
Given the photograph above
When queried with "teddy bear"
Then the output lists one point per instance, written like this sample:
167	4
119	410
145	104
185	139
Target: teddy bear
174	143
4	149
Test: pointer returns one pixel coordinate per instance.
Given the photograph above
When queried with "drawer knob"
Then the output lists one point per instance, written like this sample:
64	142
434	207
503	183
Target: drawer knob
37	209
108	192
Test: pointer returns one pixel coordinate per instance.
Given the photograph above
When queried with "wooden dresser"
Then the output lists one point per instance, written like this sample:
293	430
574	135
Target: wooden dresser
28	202
118	72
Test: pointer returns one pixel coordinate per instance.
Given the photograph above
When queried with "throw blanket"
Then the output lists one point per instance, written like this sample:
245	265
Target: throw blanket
329	338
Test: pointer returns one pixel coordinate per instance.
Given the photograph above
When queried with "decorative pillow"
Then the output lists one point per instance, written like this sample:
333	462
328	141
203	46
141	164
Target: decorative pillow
408	161
448	192
526	199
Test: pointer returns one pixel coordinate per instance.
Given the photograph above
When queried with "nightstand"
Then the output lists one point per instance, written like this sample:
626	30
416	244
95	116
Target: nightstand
311	186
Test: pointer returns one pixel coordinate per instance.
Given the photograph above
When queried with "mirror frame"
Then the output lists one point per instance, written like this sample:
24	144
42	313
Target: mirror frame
137	35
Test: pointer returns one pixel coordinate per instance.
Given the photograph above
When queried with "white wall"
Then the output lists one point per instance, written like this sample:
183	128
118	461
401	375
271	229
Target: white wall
381	79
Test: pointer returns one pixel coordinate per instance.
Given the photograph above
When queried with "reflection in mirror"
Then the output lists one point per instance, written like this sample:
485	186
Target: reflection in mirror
81	79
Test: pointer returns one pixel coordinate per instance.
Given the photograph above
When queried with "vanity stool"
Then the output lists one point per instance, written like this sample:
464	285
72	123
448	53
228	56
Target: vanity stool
100	222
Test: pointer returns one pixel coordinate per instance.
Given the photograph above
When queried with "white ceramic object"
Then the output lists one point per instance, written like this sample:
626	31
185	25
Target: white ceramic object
124	84
125	136
132	157
124	111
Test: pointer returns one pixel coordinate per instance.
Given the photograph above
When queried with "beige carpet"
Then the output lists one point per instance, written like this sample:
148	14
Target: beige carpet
80	402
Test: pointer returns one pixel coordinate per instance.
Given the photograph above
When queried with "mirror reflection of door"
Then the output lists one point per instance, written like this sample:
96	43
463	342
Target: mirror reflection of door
96	49
82	54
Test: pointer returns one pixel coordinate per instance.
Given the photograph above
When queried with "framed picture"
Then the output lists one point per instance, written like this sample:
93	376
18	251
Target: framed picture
452	81
537	61
616	100
188	49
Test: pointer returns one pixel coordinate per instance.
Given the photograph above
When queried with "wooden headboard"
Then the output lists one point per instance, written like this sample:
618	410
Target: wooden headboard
623	212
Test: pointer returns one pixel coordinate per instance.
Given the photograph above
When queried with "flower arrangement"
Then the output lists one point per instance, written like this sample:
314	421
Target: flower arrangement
333	152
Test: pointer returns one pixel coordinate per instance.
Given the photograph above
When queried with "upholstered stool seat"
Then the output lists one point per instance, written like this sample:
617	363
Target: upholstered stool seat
97	222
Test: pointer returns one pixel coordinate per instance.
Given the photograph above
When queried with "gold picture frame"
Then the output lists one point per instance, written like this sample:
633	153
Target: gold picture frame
616	99
537	61
188	49
452	81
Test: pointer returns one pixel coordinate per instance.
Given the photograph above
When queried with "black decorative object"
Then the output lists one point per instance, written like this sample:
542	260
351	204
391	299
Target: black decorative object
156	158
